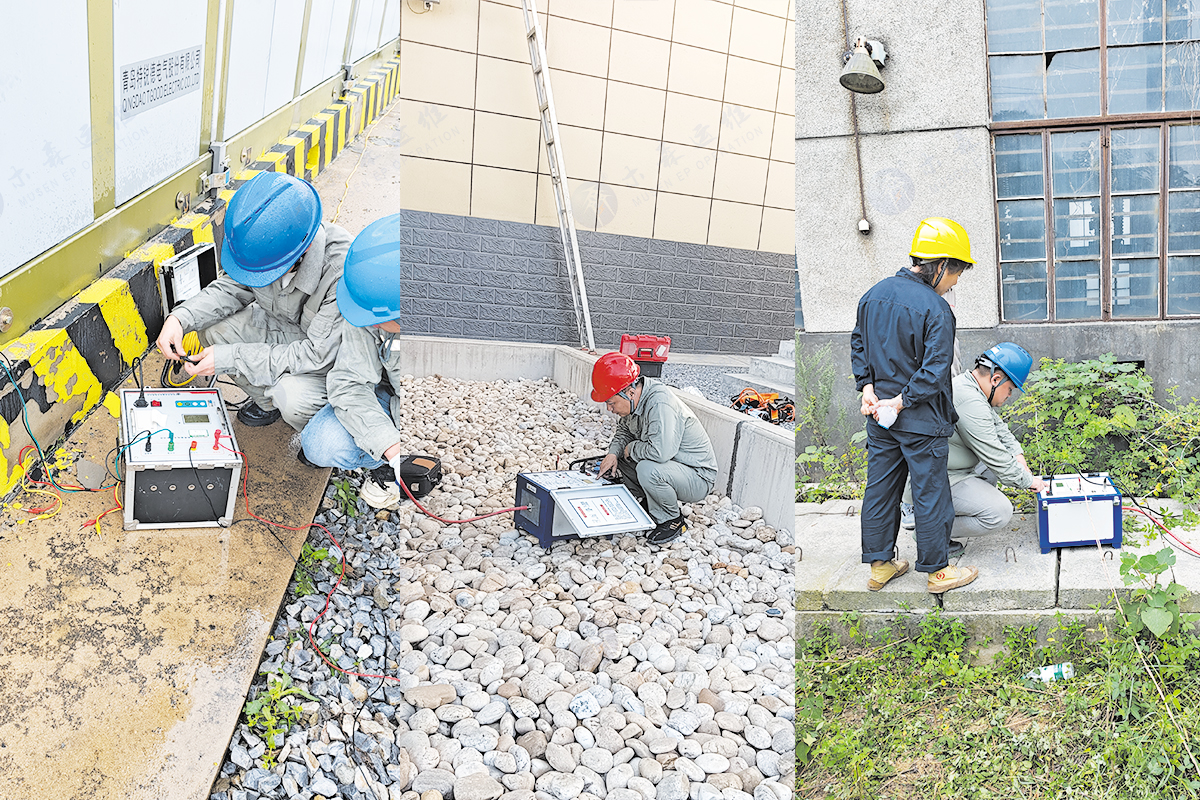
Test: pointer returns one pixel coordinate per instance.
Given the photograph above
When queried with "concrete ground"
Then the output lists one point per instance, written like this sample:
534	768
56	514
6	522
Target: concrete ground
1017	584
127	655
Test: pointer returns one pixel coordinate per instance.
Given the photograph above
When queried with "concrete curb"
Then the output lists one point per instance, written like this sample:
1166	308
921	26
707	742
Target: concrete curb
66	363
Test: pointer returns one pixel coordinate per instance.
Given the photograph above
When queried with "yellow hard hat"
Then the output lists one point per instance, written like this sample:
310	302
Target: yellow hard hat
938	237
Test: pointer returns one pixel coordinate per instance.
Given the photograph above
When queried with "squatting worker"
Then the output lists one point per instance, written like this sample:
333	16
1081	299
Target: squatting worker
982	449
270	321
660	450
359	428
901	350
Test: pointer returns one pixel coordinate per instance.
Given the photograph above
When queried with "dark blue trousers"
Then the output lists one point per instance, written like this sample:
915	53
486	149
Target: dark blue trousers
892	457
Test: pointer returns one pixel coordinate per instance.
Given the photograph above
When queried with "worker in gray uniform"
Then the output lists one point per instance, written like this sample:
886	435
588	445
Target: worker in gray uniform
358	428
270	321
982	449
660	450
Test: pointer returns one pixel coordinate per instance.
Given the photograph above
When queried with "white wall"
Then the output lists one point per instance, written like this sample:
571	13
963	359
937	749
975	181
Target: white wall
46	161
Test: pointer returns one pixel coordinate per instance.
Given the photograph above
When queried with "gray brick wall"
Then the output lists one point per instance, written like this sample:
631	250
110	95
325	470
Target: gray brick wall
485	279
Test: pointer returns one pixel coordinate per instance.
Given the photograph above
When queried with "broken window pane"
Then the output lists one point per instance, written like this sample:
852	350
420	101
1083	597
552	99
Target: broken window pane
1134	21
1071	24
1014	26
1073	84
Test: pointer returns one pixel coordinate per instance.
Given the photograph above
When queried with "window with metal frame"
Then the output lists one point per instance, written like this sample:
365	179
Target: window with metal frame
1097	162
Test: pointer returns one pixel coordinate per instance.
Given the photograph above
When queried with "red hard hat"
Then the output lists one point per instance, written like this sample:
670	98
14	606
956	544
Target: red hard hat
612	373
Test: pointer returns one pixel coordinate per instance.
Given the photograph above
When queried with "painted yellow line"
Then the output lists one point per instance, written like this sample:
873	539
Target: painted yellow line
120	313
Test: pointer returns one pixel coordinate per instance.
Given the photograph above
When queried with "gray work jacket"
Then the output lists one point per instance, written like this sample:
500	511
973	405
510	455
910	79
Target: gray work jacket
351	384
304	314
981	435
663	429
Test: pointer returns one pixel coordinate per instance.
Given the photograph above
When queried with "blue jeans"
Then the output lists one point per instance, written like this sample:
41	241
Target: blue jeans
327	443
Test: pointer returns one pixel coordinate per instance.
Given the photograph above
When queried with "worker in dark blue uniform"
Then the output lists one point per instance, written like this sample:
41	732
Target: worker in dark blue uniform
901	352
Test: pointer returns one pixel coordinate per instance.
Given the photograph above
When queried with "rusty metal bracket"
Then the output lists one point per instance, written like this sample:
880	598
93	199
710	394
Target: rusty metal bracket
6	319
1008	550
183	202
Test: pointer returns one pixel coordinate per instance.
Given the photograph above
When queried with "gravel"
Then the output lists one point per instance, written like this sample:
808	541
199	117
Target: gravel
598	670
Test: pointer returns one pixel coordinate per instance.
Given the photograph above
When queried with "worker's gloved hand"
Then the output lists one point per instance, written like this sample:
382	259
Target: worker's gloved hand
202	364
170	339
395	461
608	467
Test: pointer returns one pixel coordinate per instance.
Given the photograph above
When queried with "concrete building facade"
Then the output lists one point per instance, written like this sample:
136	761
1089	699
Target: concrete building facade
1057	135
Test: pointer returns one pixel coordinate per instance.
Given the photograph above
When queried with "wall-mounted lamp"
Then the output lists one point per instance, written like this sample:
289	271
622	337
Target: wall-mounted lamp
861	73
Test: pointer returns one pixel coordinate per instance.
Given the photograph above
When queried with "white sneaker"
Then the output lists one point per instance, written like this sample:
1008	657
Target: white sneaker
908	519
379	493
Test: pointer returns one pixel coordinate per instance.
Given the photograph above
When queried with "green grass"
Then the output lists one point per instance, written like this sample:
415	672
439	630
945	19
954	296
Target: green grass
898	717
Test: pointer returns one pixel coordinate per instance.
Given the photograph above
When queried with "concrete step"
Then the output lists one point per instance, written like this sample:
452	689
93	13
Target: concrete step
736	381
775	369
787	349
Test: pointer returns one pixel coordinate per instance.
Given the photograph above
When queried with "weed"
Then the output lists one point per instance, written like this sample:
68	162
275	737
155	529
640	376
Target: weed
1153	606
347	498
274	711
310	560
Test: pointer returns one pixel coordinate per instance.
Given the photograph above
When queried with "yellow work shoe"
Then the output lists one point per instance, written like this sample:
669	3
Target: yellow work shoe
948	578
884	571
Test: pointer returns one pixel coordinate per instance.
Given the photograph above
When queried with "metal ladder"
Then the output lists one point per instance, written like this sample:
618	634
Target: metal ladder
566	218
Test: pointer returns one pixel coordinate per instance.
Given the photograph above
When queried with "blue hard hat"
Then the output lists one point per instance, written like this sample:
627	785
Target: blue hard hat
369	290
270	222
1011	359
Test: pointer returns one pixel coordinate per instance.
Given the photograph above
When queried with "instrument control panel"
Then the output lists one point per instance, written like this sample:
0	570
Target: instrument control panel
168	427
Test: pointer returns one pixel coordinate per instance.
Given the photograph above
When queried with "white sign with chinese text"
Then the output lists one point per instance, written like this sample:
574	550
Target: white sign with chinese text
158	73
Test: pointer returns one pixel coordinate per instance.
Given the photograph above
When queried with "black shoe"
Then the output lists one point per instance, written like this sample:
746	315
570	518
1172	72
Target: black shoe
252	416
667	531
303	459
956	549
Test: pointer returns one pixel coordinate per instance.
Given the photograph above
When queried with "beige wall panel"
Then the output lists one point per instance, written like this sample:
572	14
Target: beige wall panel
506	87
635	110
650	19
741	179
583	203
502	31
597	12
443	187
630	161
437	75
778	231
577	46
778	8
429	130
508	142
579	99
746	131
625	210
758	36
783	140
781	185
703	23
581	152
681	218
503	194
448	24
786	103
752	83
517	4
641	60
692	121
687	170
789	45
697	72
735	225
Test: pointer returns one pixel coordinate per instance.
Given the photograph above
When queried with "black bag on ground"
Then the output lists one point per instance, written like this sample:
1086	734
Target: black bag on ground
420	474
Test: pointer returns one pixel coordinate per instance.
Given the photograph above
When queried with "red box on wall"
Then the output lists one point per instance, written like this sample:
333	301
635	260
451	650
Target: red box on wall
650	352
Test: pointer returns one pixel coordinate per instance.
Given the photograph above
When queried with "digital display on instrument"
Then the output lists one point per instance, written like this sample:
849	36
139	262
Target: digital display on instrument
195	419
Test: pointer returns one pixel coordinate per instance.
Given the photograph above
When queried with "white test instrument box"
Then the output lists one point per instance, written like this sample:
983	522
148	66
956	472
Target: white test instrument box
189	476
1078	509
568	504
